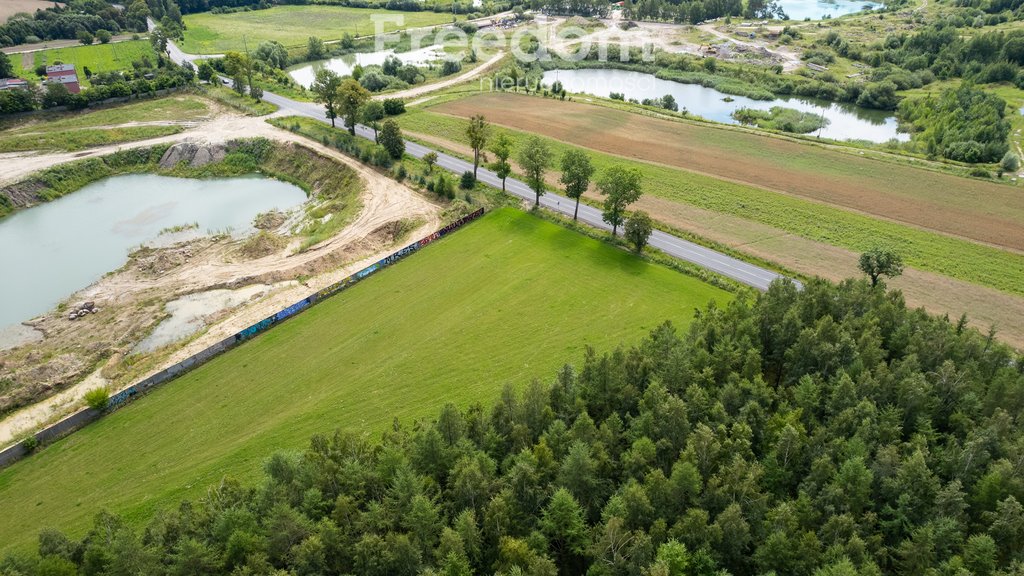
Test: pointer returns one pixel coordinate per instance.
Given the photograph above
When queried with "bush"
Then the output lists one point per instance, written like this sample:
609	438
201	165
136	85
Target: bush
30	444
394	106
103	36
468	181
97	399
442	187
1010	162
450	67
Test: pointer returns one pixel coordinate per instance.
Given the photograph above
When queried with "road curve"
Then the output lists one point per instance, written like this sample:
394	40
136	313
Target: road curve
738	270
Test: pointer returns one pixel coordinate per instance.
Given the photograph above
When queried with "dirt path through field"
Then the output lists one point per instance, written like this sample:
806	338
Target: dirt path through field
432	87
939	294
969	208
790	60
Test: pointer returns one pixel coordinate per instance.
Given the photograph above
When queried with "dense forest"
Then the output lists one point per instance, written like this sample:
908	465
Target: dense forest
829	432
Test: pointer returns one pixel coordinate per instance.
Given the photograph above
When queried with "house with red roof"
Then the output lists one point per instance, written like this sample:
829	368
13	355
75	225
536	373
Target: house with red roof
64	74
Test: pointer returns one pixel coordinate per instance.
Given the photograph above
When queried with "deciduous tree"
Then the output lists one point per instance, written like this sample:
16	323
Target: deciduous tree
535	159
351	97
478	131
879	262
502	150
391	139
372	114
638	230
325	91
576	172
621	187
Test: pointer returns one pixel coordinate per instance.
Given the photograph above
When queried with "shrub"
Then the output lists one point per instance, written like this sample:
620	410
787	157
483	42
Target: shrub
394	106
30	444
468	181
450	67
97	398
442	187
1010	162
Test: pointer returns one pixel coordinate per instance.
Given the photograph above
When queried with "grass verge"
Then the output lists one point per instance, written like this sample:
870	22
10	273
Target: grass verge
73	131
230	98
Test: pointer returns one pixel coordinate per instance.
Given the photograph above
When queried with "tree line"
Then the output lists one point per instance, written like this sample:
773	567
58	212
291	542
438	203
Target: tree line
829	431
620	185
67	21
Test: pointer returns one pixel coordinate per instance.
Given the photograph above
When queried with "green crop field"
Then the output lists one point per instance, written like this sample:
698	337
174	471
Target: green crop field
508	299
208	33
73	131
976	263
97	57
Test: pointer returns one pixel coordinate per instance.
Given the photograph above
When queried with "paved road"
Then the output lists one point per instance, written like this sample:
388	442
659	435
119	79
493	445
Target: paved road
728	266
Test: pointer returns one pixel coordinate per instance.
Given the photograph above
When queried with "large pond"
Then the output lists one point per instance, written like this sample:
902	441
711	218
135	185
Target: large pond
819	9
344	65
846	122
54	249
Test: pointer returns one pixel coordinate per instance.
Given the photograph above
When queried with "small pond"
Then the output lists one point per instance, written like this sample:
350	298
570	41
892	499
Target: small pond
846	121
819	9
343	65
54	249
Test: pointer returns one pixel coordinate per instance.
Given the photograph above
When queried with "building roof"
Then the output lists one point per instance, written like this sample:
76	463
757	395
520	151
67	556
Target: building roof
64	79
60	69
12	83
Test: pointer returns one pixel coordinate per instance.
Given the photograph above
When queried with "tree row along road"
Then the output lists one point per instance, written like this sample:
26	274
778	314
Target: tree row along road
717	262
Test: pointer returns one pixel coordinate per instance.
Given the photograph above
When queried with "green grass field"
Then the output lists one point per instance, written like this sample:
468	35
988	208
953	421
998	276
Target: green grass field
208	33
930	251
97	57
73	131
507	299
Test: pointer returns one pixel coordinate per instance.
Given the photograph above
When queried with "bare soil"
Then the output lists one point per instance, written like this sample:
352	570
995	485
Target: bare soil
75	356
974	209
9	8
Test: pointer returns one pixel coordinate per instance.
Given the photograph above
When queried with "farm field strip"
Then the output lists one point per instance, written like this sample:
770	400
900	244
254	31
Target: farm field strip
507	299
970	208
930	251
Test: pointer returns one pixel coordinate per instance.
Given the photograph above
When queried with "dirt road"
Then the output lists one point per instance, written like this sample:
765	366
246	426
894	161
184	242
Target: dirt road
791	61
434	86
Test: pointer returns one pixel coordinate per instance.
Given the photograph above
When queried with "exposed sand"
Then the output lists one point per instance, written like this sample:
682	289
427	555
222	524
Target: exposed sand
215	265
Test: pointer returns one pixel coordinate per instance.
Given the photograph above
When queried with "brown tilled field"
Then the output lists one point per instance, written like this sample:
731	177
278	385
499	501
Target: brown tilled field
9	8
975	209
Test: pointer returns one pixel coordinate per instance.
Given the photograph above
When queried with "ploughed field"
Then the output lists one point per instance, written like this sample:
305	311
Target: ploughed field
971	208
505	300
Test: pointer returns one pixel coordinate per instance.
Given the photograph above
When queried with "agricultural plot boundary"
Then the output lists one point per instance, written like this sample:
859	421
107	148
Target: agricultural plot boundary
79	419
